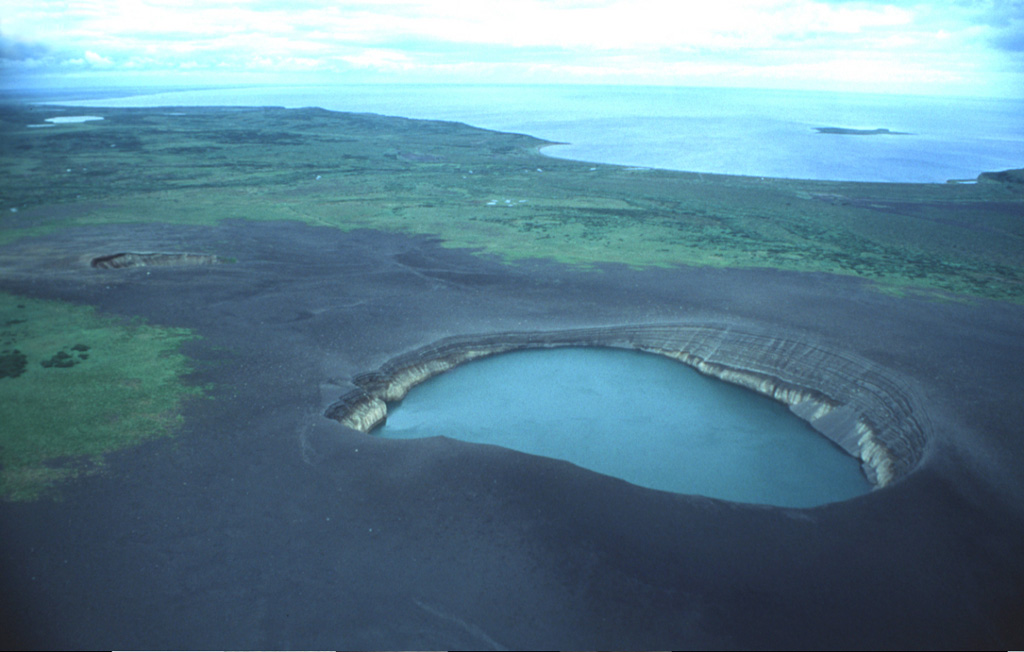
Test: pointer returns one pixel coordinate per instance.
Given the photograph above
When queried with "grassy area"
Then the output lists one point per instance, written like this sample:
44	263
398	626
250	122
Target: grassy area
75	385
496	193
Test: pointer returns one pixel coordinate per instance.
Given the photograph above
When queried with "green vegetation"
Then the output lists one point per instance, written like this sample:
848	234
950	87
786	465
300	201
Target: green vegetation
64	403
495	193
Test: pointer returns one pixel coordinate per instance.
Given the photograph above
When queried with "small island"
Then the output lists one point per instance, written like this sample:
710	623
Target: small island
843	131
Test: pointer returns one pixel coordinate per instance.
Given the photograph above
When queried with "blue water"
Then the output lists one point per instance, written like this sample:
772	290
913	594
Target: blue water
646	419
751	132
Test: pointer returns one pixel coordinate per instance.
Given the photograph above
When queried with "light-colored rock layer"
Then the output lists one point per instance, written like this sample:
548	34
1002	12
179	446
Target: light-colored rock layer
151	259
868	410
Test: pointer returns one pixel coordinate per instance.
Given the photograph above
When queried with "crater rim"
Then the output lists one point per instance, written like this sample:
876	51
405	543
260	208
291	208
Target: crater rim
872	412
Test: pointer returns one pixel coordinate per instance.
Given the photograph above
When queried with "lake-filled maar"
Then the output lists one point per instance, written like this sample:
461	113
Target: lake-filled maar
636	416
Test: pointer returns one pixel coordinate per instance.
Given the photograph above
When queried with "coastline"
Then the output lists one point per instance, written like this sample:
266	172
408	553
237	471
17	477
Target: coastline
678	138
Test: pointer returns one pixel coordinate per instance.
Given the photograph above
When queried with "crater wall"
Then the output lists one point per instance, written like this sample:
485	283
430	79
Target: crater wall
870	411
151	259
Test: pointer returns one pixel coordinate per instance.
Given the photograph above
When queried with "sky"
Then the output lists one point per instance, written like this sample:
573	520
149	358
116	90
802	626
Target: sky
942	47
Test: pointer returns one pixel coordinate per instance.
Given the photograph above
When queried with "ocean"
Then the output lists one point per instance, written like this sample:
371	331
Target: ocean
751	132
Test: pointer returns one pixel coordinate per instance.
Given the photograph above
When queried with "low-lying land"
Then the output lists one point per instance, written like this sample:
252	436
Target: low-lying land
846	131
492	192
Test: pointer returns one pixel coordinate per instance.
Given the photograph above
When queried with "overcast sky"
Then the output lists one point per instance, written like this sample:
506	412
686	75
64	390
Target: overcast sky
963	47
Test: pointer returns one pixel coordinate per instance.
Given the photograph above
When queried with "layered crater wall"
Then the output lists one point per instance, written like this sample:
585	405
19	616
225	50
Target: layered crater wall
127	259
870	411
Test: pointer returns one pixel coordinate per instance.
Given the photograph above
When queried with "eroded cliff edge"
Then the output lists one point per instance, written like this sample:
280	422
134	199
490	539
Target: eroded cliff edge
870	411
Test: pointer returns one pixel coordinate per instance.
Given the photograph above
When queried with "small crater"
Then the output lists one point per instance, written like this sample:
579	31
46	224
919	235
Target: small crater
152	259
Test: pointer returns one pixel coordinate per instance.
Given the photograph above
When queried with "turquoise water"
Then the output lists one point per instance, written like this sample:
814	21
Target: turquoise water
646	419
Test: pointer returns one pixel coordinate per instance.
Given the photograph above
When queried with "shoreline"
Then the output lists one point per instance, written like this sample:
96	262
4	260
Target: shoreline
401	102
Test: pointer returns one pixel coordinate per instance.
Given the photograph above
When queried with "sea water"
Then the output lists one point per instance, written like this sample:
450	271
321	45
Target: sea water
752	132
640	417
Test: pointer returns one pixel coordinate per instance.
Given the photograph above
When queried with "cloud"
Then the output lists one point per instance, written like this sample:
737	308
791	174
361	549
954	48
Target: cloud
1007	22
17	50
596	25
609	25
779	42
98	60
1010	38
380	60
